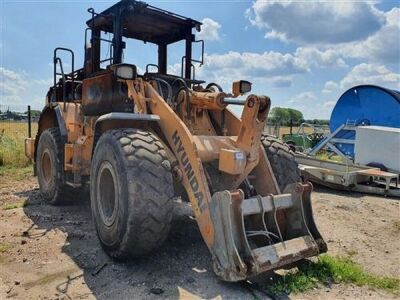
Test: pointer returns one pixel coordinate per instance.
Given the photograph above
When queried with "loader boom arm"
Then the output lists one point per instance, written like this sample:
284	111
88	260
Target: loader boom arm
221	215
182	143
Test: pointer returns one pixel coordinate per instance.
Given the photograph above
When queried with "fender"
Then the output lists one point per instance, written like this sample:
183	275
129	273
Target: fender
61	123
116	120
51	116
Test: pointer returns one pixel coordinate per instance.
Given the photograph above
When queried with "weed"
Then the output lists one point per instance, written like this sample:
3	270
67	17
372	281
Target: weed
4	247
328	270
351	252
12	145
15	173
15	205
10	206
396	225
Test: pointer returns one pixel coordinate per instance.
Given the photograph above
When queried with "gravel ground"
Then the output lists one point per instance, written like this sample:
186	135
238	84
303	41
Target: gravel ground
53	252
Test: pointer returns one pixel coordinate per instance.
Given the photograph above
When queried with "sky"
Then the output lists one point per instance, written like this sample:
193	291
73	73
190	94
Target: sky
302	55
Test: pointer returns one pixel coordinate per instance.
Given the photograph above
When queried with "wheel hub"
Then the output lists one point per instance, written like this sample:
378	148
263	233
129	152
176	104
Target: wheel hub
47	169
107	193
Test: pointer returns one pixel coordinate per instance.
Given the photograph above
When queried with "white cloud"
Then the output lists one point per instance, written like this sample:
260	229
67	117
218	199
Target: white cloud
268	67
371	74
309	104
329	87
11	84
312	106
335	30
209	30
316	22
273	67
383	46
320	58
325	110
18	89
258	64
303	98
337	34
282	81
328	105
46	82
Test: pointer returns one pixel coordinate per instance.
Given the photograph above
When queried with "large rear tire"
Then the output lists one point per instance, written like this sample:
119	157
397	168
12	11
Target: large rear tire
49	167
131	191
282	161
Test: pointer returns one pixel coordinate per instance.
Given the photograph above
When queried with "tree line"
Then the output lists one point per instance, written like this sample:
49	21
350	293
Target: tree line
291	117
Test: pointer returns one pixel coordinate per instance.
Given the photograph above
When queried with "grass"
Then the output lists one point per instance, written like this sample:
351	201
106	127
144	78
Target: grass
12	146
284	130
12	173
329	270
8	206
396	225
4	247
351	252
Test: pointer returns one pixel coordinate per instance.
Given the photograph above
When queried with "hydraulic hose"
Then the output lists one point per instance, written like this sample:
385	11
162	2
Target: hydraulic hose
185	87
169	89
214	84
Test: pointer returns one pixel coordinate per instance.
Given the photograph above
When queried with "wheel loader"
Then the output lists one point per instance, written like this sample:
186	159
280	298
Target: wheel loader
139	138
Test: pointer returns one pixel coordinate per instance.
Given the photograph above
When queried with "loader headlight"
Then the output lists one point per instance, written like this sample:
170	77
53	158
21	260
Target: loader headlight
124	71
241	87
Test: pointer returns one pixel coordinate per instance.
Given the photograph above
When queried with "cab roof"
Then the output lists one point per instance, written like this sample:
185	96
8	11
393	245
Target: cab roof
144	22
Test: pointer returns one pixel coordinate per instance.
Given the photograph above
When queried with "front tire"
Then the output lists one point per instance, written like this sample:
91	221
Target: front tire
49	167
131	191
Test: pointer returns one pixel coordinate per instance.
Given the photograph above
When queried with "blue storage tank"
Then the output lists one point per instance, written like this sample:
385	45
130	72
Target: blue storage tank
364	105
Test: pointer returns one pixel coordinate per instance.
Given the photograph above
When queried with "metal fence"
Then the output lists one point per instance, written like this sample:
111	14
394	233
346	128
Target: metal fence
272	129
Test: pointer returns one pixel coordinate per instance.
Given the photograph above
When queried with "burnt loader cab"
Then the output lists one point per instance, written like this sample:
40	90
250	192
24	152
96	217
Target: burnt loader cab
100	89
139	140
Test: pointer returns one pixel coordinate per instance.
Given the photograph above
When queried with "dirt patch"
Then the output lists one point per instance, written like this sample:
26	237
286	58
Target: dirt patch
364	227
53	252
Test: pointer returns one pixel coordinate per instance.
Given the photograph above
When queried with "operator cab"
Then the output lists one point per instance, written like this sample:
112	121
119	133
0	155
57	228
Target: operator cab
140	21
99	89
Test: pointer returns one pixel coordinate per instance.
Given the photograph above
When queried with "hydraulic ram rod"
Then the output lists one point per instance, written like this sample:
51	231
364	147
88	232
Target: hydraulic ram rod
234	101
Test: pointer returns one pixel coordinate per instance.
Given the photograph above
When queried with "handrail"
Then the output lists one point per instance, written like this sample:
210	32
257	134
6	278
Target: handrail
151	65
201	62
191	66
56	60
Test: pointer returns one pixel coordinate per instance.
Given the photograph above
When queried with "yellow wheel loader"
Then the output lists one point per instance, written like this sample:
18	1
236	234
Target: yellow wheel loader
139	140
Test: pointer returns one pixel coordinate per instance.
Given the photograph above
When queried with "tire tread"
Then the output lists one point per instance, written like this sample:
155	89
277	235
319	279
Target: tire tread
64	193
148	167
282	161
